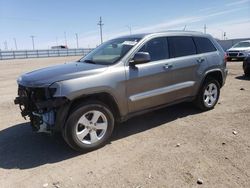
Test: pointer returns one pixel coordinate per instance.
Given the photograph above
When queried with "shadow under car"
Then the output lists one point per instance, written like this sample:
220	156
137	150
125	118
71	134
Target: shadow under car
23	149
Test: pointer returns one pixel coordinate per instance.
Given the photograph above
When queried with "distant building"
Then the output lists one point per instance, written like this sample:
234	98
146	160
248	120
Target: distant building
226	44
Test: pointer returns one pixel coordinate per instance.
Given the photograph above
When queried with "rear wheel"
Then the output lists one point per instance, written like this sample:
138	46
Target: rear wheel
246	70
89	126
208	95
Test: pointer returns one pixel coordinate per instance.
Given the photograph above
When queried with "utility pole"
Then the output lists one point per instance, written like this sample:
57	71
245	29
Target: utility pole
100	23
65	38
77	44
15	42
5	45
33	43
184	29
130	29
205	28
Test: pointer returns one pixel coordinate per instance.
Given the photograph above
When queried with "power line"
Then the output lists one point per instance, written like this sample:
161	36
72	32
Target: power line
100	23
77	45
33	42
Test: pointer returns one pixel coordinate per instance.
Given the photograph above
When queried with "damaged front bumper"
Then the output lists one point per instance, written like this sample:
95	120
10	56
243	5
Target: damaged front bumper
40	106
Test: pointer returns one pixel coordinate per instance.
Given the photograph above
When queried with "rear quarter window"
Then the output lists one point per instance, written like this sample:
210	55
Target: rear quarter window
181	46
204	45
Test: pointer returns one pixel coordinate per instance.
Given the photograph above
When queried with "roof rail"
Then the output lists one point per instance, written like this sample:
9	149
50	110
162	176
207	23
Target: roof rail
185	31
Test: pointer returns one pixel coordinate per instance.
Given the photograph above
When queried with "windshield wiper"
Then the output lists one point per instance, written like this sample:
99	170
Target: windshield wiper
89	61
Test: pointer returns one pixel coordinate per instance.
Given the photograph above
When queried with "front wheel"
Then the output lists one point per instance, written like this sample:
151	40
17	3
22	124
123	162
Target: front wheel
89	126
208	95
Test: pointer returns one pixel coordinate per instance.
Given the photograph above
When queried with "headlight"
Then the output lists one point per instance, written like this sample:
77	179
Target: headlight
247	53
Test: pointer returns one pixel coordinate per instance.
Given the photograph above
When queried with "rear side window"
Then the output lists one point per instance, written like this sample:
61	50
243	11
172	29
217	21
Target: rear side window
204	45
181	46
157	48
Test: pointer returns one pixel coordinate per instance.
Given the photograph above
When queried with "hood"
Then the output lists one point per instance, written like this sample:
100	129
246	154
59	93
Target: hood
239	49
47	76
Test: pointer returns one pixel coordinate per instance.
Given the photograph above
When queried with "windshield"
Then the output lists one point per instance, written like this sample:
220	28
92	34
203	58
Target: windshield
242	44
111	51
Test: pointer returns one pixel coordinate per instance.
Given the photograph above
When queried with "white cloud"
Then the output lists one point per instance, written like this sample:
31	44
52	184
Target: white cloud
92	38
238	2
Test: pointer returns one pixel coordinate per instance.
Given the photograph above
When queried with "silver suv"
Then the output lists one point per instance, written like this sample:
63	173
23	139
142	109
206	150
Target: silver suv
239	51
122	78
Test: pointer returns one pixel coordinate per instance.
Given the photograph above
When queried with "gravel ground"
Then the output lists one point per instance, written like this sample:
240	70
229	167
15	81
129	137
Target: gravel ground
172	147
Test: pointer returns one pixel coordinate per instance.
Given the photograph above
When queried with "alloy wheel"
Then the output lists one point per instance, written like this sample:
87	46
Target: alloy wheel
91	127
210	95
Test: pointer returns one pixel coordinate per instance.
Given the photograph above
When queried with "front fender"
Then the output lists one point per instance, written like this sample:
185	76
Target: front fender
111	81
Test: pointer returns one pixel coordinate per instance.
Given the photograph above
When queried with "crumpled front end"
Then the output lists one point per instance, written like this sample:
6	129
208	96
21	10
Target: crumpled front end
40	106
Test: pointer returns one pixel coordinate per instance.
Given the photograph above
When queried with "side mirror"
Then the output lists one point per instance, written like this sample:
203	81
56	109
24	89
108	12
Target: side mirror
140	58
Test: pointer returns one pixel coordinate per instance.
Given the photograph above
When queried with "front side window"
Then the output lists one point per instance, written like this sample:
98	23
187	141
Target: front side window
204	45
157	49
181	46
111	51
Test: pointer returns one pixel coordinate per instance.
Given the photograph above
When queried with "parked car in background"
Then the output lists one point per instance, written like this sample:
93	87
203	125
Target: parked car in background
59	47
246	66
121	78
239	51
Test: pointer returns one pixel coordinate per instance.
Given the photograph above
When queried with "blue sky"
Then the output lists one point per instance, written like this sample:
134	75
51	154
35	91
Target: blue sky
48	20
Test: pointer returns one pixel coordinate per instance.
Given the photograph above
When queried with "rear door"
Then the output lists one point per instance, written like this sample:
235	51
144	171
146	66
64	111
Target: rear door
186	64
208	50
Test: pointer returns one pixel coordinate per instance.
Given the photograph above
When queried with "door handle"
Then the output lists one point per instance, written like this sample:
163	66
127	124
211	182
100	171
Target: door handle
200	60
167	66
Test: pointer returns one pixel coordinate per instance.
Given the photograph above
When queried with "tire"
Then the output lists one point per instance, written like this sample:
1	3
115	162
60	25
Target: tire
89	126
208	95
247	72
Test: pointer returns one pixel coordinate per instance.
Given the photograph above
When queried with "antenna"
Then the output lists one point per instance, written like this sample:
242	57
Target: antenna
100	23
